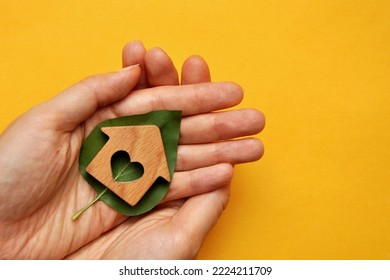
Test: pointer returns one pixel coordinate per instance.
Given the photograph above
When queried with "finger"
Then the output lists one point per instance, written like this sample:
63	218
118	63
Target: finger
198	215
195	70
190	99
233	152
77	103
160	68
188	183
220	126
133	53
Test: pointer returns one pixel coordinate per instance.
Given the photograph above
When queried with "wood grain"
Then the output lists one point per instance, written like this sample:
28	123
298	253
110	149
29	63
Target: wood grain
144	145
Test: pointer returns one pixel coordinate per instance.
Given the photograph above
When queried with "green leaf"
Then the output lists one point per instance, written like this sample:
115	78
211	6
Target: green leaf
124	170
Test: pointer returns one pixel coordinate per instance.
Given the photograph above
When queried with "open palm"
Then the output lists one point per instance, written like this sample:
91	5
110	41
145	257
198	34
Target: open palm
41	186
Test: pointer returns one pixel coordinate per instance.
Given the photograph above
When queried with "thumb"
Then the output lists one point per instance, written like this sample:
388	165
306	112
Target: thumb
198	215
77	103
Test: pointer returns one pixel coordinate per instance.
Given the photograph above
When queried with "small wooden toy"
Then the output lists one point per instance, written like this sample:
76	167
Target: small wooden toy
144	145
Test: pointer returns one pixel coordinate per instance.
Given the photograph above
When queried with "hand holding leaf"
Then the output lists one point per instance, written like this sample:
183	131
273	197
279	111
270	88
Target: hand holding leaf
36	205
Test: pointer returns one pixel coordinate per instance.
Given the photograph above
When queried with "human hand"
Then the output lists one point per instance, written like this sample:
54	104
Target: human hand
41	186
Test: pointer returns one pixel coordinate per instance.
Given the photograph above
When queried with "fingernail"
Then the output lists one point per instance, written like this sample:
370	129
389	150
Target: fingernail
130	67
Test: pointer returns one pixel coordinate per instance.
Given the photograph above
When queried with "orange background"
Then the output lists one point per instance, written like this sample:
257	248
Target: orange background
320	71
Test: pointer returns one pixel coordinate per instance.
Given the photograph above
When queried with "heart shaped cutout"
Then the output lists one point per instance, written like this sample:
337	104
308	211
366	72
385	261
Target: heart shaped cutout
123	170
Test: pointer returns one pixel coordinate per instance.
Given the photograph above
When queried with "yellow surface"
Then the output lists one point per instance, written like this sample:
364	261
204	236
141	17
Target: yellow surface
320	70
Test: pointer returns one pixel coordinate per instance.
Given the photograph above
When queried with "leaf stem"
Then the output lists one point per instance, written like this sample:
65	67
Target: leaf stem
81	211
